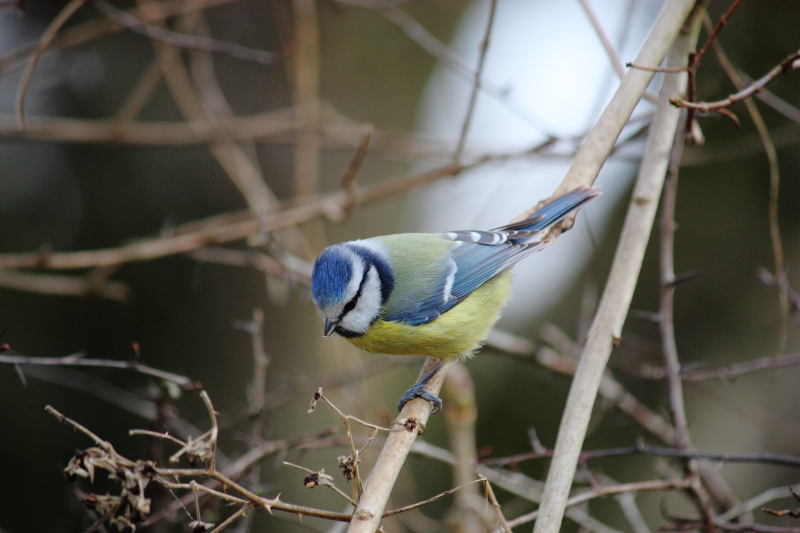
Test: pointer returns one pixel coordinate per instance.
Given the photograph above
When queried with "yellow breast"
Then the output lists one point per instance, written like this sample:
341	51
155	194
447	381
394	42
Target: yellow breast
456	333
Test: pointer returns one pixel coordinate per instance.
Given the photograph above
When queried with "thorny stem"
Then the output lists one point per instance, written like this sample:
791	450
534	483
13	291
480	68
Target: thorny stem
66	420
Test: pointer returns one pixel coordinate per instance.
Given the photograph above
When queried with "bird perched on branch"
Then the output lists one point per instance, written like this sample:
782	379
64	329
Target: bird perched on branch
435	294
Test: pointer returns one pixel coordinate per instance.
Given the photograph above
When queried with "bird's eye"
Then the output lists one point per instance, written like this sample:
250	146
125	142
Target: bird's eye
349	306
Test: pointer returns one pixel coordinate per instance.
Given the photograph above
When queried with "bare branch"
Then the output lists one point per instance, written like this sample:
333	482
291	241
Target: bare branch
55	25
560	360
190	42
473	97
616	64
57	285
607	326
98	27
226	228
774	188
646	449
787	65
605	491
79	360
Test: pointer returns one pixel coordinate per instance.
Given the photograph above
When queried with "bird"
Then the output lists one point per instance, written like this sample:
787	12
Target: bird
434	294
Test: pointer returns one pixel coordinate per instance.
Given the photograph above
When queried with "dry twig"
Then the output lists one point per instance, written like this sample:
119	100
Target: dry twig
78	359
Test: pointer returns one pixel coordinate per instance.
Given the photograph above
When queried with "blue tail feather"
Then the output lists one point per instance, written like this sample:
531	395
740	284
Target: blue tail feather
555	211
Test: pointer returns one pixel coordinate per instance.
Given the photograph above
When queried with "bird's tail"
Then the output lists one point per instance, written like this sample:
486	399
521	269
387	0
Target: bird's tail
554	211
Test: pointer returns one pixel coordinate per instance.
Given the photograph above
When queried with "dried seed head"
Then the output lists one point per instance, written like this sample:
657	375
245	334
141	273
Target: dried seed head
311	480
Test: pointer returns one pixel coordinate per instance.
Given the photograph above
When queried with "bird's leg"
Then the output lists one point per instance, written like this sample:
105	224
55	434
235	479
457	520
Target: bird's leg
418	390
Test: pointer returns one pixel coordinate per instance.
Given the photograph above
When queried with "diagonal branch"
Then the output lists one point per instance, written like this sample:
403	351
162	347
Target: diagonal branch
190	42
228	227
607	326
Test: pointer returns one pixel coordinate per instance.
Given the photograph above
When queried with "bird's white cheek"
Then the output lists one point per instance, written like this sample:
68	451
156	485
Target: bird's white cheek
368	307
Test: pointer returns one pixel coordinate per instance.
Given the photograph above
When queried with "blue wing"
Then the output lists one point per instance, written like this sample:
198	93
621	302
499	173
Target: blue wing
481	255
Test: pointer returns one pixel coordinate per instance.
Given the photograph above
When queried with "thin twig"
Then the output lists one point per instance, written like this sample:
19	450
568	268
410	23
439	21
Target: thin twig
560	360
667	326
350	175
774	189
156	434
605	491
228	521
782	284
775	102
754	503
351	464
731	371
476	84
189	42
787	65
98	27
298	270
140	94
66	420
81	130
714	32
78	360
450	60
790	461
496	505
616	64
319	477
44	41
429	500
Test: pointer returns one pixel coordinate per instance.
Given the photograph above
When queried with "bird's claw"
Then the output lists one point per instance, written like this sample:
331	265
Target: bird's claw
418	391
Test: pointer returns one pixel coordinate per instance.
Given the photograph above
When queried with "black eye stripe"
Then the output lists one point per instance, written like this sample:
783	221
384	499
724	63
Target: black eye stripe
349	306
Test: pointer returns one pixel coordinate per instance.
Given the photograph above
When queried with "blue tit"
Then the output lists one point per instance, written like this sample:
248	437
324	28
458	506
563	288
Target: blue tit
435	294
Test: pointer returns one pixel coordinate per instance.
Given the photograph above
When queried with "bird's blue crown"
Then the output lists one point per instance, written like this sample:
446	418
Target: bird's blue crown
330	276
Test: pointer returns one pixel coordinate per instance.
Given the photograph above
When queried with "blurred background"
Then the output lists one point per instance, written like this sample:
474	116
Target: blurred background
129	138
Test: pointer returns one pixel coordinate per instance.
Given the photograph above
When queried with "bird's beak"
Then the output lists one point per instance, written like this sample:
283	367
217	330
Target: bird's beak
330	325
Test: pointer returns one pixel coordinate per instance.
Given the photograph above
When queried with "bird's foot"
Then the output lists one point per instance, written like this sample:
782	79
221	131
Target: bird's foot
418	391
